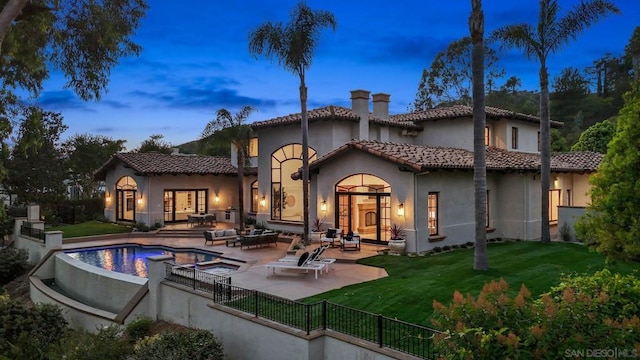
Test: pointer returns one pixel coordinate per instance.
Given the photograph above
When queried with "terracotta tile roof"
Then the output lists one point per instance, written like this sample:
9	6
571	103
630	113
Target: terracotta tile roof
157	163
576	161
329	113
418	158
456	111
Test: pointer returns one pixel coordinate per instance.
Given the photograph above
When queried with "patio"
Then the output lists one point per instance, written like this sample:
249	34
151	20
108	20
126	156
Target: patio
287	284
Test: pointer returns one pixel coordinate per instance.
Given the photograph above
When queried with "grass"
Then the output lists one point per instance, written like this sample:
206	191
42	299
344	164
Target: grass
90	228
415	282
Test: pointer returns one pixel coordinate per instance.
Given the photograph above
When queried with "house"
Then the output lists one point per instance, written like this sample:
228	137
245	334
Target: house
369	170
155	188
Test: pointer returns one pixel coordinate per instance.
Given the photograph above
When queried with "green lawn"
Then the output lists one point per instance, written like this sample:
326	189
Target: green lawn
414	282
90	228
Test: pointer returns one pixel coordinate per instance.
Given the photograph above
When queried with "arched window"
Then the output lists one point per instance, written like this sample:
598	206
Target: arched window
254	197
286	193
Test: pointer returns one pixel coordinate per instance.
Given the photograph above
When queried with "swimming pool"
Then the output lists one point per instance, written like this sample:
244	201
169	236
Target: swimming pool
132	258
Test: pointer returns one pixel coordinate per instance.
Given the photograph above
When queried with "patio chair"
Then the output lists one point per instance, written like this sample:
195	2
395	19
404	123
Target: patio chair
314	257
351	241
191	221
210	219
332	237
208	237
302	264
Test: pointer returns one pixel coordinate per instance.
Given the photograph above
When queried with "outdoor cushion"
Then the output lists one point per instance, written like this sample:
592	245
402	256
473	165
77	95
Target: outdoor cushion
331	233
229	232
219	233
303	258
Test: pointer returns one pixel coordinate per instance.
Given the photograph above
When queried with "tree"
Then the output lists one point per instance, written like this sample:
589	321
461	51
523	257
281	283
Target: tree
449	79
84	154
596	137
548	37
293	45
632	53
240	134
83	40
611	224
558	141
36	171
155	144
476	28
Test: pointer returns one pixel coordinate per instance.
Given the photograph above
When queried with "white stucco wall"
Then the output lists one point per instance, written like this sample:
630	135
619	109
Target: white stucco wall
456	133
100	288
517	205
527	135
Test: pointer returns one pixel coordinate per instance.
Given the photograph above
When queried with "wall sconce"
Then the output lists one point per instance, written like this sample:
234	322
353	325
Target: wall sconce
217	199
140	200
108	197
401	209
555	182
263	201
323	206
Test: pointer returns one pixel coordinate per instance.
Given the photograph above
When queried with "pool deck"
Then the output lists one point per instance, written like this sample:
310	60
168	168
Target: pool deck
291	284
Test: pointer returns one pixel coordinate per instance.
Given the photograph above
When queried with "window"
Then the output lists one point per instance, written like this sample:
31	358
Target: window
487	222
554	202
253	147
569	197
286	193
514	137
255	200
432	213
538	140
487	136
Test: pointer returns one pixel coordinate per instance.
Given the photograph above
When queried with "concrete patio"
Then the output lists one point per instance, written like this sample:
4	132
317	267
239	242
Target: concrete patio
291	284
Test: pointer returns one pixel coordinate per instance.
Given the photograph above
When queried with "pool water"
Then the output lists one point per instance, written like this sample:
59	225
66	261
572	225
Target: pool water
132	259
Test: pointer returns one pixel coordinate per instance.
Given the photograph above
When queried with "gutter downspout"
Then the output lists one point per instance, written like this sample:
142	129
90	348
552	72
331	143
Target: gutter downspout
526	205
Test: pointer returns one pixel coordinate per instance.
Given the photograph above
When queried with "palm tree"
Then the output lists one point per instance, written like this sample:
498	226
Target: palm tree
240	135
476	28
548	37
292	45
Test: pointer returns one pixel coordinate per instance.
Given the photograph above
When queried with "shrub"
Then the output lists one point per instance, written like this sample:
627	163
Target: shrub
108	343
139	328
13	263
191	344
496	325
27	333
565	232
140	226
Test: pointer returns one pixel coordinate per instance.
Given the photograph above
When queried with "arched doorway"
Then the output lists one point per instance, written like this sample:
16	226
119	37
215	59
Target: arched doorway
363	206
126	189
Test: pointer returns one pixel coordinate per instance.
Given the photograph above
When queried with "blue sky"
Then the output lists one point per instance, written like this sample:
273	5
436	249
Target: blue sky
195	61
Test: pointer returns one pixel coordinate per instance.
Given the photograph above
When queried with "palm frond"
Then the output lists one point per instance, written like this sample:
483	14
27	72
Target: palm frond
520	36
578	19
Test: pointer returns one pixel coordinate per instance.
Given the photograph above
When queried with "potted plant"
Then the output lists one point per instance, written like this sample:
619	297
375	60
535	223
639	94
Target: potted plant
397	243
316	229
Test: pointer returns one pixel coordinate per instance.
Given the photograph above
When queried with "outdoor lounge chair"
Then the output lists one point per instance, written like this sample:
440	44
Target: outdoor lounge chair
302	264
314	257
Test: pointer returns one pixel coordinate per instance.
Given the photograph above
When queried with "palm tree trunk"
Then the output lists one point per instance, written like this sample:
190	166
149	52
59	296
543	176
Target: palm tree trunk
476	27
241	157
545	152
305	159
8	14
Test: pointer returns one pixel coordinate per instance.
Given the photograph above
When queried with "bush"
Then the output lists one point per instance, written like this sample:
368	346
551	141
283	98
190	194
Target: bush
496	325
139	328
13	263
565	232
191	344
108	343
140	226
27	333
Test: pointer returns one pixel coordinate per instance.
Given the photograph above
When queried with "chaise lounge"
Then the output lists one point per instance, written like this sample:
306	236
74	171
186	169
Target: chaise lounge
314	257
302	264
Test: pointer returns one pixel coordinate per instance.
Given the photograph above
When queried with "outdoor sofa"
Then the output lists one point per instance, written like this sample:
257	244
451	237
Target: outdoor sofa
264	239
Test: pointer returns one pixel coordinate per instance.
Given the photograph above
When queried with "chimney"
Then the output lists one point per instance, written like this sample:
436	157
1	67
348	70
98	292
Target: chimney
381	106
360	106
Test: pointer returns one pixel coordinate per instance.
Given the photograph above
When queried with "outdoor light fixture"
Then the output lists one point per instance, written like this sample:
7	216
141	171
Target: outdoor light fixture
108	197
401	209
140	200
323	206
263	201
217	199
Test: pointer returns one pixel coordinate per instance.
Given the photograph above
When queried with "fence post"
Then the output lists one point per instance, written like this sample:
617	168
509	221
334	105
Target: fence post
380	341
324	314
255	302
308	324
194	277
228	289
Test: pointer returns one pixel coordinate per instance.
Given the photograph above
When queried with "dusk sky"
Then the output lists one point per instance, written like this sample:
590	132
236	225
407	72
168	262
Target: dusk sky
195	60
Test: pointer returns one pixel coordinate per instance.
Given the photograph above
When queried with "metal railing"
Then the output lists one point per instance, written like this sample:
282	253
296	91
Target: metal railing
395	334
27	230
188	275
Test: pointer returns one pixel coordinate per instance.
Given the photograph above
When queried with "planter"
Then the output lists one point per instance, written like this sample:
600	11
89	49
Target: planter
397	246
315	235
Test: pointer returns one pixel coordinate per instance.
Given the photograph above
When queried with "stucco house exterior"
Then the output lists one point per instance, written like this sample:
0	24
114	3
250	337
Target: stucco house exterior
370	170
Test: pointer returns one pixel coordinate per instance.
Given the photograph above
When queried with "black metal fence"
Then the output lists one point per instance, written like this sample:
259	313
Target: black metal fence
26	229
188	275
395	334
